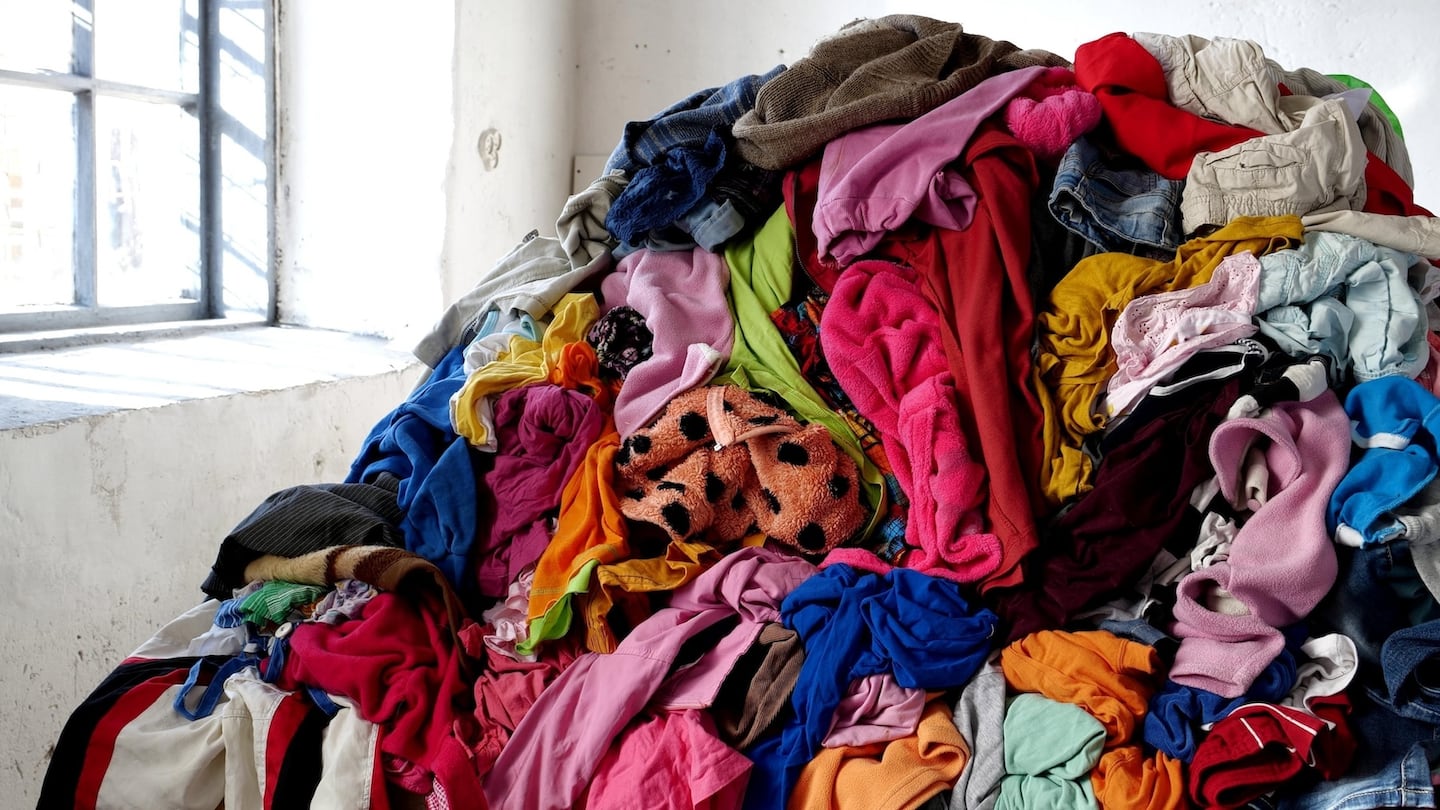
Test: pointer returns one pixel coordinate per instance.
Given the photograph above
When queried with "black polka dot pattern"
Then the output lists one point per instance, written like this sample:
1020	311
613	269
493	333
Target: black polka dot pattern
793	454
767	481
770	500
714	487
693	426
811	538
677	517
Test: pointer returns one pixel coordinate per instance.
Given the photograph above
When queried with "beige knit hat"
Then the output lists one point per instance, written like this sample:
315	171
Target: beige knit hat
900	66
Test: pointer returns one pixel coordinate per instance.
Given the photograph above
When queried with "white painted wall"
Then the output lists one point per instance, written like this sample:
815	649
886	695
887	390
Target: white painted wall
642	55
108	525
516	73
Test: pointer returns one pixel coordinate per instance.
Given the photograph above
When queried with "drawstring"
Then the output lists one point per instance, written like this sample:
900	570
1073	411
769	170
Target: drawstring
724	431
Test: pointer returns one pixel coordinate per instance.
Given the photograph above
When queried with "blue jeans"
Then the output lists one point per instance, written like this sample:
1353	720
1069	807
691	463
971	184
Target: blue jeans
1377	593
1128	210
1391	767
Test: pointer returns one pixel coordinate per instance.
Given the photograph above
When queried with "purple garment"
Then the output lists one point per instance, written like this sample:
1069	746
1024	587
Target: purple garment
875	709
1282	561
543	432
555	751
873	180
682	298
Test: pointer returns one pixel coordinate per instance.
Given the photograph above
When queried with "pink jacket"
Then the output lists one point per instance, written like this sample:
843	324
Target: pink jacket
1282	561
896	373
873	180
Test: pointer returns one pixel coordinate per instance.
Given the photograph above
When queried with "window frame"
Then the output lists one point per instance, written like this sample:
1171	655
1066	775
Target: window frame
85	311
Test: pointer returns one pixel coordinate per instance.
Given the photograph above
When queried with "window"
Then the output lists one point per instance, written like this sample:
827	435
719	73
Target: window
134	148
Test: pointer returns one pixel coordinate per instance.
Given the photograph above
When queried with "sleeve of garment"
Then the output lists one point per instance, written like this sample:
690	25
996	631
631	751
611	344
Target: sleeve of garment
556	749
682	297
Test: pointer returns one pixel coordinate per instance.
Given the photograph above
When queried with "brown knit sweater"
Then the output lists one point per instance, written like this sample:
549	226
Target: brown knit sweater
895	67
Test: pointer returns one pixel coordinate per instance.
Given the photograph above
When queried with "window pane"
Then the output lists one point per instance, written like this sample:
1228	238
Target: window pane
244	201
148	203
148	42
37	162
36	35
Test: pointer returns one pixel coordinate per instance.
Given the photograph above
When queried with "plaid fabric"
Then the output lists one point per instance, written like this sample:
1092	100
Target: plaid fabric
687	123
799	323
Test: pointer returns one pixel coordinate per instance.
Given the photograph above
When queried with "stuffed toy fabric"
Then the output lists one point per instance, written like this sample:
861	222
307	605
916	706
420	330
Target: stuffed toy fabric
720	463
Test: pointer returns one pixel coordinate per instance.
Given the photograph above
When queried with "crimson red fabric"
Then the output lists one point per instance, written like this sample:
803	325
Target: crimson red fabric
976	279
1387	193
1131	87
801	189
1259	747
399	665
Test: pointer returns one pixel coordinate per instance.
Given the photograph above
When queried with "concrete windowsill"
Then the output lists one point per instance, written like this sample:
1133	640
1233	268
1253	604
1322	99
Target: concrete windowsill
45	387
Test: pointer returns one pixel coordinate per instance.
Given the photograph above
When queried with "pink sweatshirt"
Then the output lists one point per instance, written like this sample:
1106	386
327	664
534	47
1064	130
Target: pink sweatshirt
682	297
1282	561
555	751
873	180
896	373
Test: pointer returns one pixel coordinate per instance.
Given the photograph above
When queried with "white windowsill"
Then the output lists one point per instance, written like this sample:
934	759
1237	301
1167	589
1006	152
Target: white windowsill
43	387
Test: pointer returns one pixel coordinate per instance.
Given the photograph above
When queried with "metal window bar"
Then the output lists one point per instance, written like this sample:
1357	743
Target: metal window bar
86	311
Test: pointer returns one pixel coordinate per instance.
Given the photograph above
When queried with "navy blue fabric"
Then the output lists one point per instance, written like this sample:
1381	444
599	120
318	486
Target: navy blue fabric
1410	659
672	158
664	192
686	123
437	470
854	624
1116	208
1391	766
1177	712
1378	591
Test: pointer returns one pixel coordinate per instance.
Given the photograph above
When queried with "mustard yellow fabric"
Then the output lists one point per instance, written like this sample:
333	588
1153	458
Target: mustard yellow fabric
1075	359
525	362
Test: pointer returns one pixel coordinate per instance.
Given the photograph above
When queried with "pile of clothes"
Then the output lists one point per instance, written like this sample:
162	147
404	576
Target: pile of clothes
928	423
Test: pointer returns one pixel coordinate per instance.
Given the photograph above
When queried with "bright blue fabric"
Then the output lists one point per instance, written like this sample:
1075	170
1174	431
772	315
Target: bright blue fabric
854	624
436	469
1398	421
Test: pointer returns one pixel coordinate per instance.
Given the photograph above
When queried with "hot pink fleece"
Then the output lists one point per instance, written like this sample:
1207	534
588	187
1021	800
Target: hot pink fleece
1051	113
896	373
681	294
1282	561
